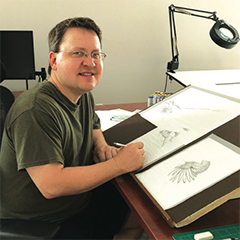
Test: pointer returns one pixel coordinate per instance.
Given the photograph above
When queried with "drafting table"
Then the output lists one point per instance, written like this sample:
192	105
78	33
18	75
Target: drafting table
223	81
149	216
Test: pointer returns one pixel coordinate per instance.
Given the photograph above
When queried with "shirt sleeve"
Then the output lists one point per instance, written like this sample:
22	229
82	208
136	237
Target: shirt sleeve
37	140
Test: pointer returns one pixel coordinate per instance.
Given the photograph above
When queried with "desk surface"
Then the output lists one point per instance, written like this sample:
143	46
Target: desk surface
150	217
223	81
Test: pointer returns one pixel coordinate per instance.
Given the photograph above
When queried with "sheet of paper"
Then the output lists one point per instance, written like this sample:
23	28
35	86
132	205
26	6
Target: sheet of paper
184	118
194	109
191	171
109	118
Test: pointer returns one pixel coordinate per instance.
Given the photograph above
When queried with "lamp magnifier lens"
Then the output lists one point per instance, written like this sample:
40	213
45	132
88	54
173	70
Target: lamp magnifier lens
225	33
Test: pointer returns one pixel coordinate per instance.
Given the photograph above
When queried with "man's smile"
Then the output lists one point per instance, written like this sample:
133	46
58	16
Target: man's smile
86	74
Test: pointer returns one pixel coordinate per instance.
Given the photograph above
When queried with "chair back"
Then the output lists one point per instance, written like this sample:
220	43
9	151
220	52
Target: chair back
6	101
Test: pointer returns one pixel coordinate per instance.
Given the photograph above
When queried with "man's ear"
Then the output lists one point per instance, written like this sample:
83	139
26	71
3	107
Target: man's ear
53	60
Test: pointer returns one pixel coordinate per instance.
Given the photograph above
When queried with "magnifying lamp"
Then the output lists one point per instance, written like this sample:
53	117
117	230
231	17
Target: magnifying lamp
222	33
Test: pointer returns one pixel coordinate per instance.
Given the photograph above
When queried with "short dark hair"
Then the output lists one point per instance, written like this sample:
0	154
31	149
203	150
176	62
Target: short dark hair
55	36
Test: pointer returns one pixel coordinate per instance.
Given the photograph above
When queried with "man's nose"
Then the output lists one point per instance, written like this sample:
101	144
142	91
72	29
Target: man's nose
88	60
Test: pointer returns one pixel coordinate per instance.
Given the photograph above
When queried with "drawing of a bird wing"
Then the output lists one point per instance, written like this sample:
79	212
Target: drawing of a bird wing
188	171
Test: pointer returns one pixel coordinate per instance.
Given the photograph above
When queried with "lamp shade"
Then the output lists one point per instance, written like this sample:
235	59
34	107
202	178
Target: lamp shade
217	34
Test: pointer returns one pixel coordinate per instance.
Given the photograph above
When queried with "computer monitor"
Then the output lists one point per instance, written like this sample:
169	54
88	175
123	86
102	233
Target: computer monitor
17	54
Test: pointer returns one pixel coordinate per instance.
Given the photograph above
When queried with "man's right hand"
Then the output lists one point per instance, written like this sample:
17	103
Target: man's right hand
131	157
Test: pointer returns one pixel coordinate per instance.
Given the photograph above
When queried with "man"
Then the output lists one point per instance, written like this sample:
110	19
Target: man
52	134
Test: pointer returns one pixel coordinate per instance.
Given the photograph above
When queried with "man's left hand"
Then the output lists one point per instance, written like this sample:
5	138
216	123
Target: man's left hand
102	154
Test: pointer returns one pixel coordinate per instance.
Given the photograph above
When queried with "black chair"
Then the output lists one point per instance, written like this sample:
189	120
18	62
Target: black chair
27	229
6	101
19	228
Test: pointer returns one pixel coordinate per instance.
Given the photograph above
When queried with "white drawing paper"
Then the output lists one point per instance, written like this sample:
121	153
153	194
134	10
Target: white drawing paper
194	108
191	171
184	117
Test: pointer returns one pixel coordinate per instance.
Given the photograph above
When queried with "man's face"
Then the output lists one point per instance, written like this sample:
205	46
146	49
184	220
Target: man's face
76	75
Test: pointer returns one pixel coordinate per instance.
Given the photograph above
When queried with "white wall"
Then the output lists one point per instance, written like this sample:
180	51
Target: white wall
135	38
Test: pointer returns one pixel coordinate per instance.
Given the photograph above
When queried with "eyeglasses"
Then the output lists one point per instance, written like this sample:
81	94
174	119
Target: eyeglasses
96	56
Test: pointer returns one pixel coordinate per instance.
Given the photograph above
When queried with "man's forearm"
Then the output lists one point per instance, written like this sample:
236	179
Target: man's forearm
98	138
53	180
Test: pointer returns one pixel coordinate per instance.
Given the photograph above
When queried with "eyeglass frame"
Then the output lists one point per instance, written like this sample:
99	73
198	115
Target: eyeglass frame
101	54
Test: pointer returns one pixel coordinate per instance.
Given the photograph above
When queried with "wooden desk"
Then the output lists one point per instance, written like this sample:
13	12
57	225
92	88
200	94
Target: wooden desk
149	216
125	106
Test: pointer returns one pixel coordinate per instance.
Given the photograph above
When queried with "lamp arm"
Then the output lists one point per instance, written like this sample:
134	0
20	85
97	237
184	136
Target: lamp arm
173	34
174	63
184	10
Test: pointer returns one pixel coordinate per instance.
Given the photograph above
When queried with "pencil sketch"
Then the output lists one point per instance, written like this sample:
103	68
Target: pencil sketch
188	171
170	106
169	135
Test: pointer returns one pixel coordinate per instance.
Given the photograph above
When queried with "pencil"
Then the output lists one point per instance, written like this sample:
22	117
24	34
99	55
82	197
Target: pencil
119	144
227	83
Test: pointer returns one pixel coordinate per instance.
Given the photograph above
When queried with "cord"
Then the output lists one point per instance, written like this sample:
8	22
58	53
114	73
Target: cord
165	88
